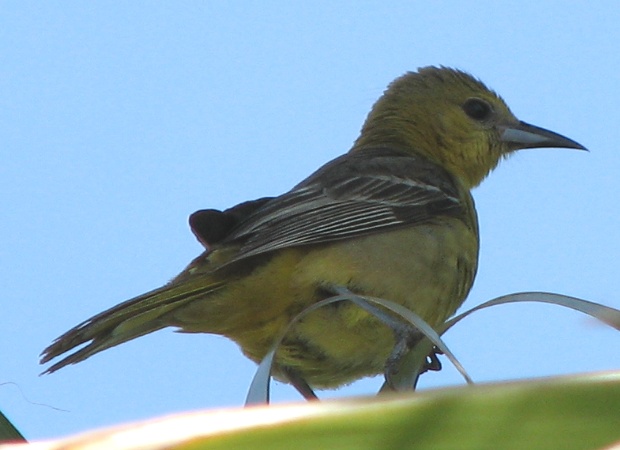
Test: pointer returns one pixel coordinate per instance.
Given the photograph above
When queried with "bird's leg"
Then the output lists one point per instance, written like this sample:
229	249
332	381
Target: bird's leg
406	337
403	367
299	383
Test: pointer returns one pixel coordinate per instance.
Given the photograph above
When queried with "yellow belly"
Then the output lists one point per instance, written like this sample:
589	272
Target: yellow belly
425	268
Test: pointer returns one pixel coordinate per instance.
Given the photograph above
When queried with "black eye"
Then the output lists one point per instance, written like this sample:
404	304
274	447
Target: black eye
477	109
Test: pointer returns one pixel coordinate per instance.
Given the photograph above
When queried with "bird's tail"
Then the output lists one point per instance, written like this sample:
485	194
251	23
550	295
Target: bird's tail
136	317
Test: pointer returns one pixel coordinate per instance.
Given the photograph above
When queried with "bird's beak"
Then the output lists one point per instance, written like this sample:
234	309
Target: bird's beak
523	135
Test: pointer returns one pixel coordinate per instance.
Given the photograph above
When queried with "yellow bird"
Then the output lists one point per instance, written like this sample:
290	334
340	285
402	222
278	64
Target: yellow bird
392	218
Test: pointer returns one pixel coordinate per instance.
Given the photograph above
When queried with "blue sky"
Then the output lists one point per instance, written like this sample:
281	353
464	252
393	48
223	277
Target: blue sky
118	120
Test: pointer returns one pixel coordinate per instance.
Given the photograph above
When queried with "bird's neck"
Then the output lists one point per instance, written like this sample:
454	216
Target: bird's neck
389	133
414	140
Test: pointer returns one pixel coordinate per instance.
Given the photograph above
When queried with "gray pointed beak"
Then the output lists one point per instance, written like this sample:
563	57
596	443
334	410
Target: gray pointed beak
523	135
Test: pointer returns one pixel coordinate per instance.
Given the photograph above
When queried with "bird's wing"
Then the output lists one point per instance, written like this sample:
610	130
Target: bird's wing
357	194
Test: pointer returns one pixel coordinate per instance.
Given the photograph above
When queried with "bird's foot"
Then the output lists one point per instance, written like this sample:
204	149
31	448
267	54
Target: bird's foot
299	383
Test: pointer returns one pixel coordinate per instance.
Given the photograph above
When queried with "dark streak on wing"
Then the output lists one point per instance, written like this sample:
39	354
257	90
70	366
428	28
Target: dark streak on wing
359	193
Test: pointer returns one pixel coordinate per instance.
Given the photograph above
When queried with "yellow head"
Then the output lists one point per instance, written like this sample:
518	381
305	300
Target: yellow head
453	119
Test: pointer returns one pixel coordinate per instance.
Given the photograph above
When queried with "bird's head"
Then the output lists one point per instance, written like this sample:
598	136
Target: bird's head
453	119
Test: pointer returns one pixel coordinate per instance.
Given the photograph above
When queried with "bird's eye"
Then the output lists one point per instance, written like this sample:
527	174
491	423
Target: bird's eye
477	109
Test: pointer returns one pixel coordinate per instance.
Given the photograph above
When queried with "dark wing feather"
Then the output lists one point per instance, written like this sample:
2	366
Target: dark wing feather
211	226
357	194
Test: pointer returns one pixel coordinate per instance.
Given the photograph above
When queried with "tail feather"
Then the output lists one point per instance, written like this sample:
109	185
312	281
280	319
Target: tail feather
133	318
